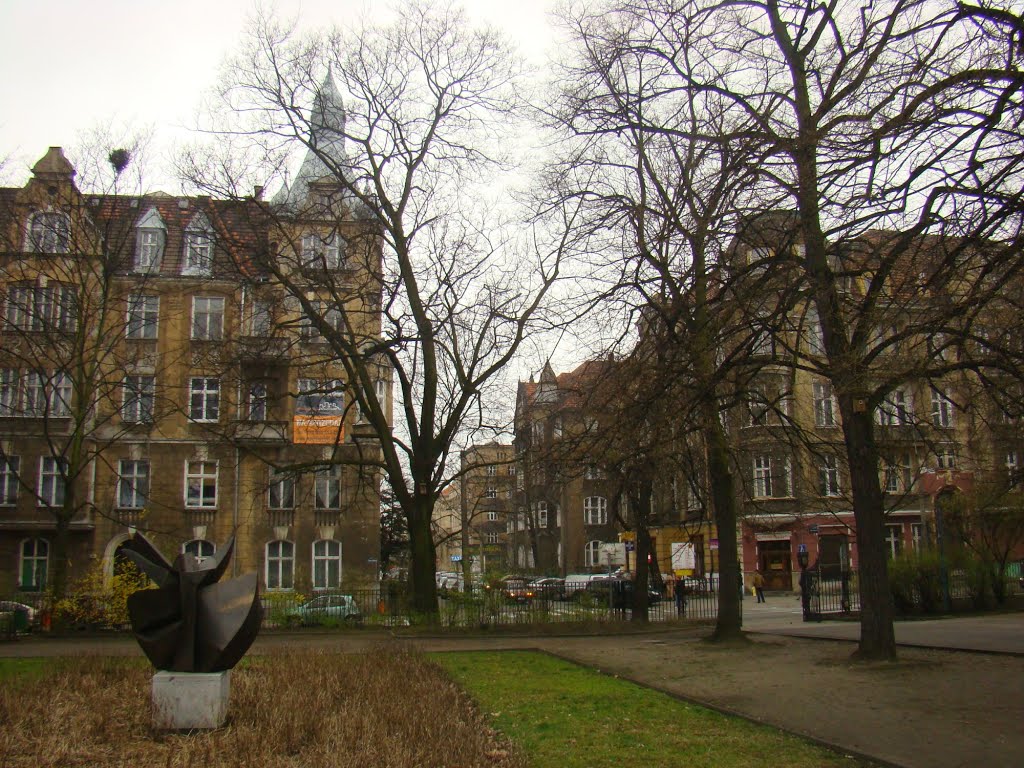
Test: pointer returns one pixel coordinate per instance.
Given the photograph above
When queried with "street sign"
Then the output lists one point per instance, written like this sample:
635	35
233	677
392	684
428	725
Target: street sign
714	544
630	546
456	558
801	548
812	528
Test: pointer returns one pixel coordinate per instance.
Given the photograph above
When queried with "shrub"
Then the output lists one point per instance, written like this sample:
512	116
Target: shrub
96	601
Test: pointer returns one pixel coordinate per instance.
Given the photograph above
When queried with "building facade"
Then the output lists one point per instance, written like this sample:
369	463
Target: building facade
164	368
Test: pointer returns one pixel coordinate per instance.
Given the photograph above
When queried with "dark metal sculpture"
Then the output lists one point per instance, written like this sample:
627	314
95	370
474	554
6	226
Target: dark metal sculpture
191	622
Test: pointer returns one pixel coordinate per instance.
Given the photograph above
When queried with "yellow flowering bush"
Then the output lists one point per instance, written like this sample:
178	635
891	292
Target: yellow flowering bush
98	601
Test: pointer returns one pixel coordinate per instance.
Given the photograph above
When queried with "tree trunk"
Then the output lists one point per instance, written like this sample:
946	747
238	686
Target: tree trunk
877	636
60	557
422	571
643	550
729	624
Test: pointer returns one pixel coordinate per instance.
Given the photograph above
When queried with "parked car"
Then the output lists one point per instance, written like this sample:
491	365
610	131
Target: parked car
324	609
515	588
576	583
548	588
21	617
621	592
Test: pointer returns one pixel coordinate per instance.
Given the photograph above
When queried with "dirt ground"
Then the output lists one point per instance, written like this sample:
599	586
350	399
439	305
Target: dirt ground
931	709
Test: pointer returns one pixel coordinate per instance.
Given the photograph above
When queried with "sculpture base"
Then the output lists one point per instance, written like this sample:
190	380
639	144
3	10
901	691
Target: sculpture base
187	700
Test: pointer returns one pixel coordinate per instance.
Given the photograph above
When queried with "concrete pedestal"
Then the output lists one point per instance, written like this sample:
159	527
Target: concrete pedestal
185	700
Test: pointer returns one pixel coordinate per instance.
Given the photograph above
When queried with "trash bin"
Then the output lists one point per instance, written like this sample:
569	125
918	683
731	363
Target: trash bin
20	620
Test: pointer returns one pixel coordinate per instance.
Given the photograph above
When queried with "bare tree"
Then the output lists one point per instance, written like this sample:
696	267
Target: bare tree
412	156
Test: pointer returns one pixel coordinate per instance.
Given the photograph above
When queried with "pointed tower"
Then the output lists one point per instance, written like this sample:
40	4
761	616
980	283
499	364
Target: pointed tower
547	388
326	157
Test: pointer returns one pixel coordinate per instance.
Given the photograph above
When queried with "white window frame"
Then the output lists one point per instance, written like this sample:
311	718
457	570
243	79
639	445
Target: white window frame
133	483
540	513
1011	460
142	317
825	406
327	488
138	395
204	399
945	457
207	318
261	318
201	549
492	516
280	490
943	410
34	395
595	510
592	553
319	252
491	493
198	243
49	232
324	558
150	241
280	563
197	475
39	562
894	539
259	402
917	536
828	476
10	470
815	335
491	538
763	479
51	487
10	390
896	409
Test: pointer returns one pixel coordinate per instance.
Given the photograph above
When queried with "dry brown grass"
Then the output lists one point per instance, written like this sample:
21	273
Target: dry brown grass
388	708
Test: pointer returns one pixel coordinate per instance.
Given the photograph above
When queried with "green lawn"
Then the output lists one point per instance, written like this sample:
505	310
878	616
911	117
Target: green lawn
565	716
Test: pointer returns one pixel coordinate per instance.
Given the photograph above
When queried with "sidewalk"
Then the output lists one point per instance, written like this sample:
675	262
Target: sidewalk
989	633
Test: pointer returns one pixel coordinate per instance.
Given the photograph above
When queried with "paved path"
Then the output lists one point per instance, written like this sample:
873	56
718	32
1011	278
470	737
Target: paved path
933	709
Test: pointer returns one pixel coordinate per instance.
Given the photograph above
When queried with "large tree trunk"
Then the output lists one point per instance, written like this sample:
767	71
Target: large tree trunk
641	576
60	556
423	554
729	624
877	636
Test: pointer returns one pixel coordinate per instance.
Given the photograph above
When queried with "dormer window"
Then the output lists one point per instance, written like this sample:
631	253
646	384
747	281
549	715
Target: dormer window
198	247
49	232
320	252
150	236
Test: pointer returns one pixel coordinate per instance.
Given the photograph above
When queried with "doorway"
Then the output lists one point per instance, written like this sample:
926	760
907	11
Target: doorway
775	563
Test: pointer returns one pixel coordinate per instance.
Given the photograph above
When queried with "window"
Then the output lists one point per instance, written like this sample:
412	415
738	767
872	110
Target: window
321	252
208	317
942	409
538	431
540	513
945	457
320	314
9	468
262	321
49	232
492	516
896	410
201	484
824	405
592	554
34	394
143	316
132	484
761	343
511	470
759	258
815	337
326	564
593	472
139	394
51	481
491	470
204	399
491	493
490	538
556	427
44	395
199	548
917	536
757	408
763	477
52	307
257	401
198	248
9	391
828	476
35	556
281	490
327	492
1012	467
894	539
595	510
150	236
280	564
897	475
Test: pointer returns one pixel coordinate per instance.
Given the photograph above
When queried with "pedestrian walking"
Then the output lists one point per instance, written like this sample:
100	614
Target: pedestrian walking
680	598
759	586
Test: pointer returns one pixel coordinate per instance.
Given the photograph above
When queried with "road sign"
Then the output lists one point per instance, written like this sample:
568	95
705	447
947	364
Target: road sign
456	558
812	528
630	546
714	544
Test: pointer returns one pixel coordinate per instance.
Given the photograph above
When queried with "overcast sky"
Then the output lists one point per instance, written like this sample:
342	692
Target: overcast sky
70	66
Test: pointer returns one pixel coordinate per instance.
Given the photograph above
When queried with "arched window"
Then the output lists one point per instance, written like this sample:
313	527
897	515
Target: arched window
326	564
595	510
592	553
49	232
201	548
35	558
280	565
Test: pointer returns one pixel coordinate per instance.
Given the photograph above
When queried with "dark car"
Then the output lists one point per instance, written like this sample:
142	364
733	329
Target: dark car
516	588
621	593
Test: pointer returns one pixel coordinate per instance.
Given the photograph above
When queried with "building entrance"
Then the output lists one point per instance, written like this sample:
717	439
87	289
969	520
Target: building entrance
775	563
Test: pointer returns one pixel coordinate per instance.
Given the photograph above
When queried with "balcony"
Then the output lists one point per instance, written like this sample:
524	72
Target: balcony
260	432
263	349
